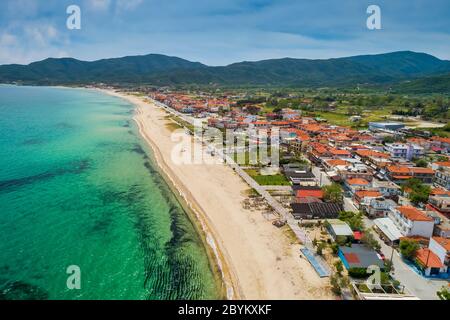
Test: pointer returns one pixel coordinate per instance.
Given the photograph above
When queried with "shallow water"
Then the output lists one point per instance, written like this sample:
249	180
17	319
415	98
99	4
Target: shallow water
78	187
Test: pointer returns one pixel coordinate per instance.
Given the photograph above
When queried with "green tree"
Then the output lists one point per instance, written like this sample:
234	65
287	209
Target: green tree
369	240
442	158
418	192
339	267
335	287
320	248
388	139
353	219
444	294
345	282
408	249
277	110
333	193
421	163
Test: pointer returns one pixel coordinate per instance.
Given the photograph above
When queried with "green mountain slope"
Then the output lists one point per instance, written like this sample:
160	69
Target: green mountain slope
434	84
164	70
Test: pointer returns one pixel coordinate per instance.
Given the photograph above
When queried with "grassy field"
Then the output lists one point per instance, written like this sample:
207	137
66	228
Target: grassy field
246	156
340	116
273	180
441	132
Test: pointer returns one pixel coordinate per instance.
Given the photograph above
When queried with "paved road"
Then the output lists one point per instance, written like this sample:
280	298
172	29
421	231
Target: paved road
421	287
278	188
349	205
282	212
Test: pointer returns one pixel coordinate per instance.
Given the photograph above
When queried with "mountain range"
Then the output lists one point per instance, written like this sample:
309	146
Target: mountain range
405	70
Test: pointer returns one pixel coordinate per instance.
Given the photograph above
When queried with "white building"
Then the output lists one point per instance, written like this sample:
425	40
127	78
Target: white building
289	114
412	222
441	247
434	260
387	188
405	151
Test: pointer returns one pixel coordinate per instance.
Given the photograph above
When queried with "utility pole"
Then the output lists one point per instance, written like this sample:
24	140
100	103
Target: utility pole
392	254
428	257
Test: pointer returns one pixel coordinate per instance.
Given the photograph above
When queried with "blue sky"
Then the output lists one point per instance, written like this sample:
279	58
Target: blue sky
219	32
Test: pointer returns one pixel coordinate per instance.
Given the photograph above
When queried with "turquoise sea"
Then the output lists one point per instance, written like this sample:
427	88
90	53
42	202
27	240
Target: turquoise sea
78	187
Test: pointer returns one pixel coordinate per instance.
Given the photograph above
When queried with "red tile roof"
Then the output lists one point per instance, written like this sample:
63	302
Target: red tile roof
427	258
260	122
398	169
310	193
413	214
368	193
341	137
280	123
312	127
441	139
357	181
401	177
443	163
336	162
372	153
444	242
421	170
340	152
439	192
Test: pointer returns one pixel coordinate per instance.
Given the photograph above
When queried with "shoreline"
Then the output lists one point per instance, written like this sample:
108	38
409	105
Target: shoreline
231	290
256	260
199	222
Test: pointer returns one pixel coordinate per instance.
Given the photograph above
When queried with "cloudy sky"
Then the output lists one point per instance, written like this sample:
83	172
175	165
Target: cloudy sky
219	32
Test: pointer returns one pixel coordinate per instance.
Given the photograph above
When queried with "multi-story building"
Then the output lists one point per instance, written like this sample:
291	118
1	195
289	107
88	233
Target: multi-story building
440	202
356	184
379	207
434	260
442	143
412	222
404	151
441	247
442	174
363	197
400	174
387	188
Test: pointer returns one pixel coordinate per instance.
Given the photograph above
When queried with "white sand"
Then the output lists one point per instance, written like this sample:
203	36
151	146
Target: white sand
258	260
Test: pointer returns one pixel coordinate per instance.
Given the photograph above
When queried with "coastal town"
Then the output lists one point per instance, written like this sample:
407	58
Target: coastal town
355	198
228	158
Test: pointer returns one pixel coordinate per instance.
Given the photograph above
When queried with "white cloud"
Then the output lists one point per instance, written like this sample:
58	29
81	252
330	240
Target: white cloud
28	42
128	4
40	34
99	5
7	39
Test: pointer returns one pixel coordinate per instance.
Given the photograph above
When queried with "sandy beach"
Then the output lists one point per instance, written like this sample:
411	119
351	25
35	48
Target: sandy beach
258	261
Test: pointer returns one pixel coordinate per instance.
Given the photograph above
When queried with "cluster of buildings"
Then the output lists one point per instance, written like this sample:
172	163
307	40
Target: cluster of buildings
372	174
370	171
199	105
